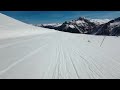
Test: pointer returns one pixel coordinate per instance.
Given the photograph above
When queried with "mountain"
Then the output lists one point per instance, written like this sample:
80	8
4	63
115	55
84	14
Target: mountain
88	26
81	25
111	28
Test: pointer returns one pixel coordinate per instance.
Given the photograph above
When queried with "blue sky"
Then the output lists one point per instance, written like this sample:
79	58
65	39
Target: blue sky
35	17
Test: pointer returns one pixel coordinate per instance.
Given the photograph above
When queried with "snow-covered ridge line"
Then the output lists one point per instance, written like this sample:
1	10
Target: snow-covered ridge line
80	25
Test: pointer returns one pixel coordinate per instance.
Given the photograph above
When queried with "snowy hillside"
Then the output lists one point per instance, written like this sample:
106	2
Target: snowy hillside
38	53
10	27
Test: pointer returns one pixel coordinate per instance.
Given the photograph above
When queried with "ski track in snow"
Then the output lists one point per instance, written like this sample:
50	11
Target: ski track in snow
59	55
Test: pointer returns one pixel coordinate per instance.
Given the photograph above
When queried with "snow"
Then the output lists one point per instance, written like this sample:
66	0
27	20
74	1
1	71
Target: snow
100	21
80	22
10	27
115	24
48	54
71	26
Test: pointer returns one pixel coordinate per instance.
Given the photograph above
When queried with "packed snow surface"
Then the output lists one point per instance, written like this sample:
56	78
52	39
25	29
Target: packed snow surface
28	52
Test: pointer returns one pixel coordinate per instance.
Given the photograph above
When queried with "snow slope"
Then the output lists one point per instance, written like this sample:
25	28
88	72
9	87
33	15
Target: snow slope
10	27
56	55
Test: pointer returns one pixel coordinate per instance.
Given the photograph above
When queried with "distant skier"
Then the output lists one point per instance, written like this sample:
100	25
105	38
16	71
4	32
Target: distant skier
88	40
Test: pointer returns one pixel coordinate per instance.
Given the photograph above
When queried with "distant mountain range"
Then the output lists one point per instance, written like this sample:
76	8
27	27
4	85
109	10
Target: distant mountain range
84	25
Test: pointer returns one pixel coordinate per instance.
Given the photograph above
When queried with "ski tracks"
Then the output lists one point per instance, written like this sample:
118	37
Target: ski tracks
68	57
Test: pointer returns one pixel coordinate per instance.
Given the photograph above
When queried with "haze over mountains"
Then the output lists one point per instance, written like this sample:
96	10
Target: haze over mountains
84	25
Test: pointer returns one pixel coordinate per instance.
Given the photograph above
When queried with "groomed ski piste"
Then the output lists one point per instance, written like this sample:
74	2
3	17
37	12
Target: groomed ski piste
29	52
